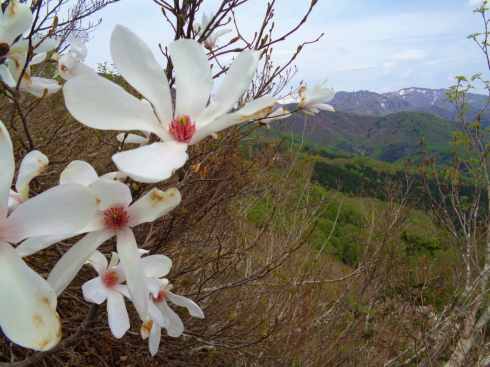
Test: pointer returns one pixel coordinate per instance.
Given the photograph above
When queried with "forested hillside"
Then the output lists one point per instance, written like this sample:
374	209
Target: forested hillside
390	138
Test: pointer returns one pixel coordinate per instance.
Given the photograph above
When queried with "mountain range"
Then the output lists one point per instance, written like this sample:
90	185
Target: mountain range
390	138
388	126
414	99
423	100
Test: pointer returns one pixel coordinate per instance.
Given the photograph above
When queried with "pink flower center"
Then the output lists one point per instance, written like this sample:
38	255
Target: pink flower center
160	298
116	218
111	278
182	128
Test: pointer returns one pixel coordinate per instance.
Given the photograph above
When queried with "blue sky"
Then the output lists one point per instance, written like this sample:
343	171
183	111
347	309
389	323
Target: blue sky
377	45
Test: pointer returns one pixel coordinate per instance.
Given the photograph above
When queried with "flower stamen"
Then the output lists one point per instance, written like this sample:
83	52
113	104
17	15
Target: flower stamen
160	298
182	128
116	218
111	278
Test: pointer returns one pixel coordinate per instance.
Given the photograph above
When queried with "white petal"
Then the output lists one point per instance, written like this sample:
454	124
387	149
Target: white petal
116	176
193	308
196	27
20	46
117	313
37	59
98	261
156	266
135	275
318	87
7	168
142	252
302	91
236	82
14	201
35	244
138	66
152	163
28	304
192	77
120	272
164	284
80	69
146	328
6	76
62	209
256	109
206	19
155	337
323	106
16	64
38	85
123	289
32	165
154	286
68	266
132	139
280	113
65	64
47	45
324	95
94	291
96	223
153	205
218	34
114	260
173	323
155	314
101	104
78	172
77	47
111	194
17	19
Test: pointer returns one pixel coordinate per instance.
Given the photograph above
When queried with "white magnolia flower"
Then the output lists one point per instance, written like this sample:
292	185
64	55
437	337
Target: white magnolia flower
30	84
32	165
314	100
16	19
28	314
71	64
160	291
280	113
115	217
108	285
101	104
211	40
79	172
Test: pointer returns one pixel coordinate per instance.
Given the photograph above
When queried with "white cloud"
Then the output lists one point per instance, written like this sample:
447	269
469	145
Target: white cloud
434	62
409	55
360	50
388	66
356	67
474	3
406	74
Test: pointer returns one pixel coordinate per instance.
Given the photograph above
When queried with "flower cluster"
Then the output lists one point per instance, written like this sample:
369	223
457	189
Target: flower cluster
212	38
100	208
16	19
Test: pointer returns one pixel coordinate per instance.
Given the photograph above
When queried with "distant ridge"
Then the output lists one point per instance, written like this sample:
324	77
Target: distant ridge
413	99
